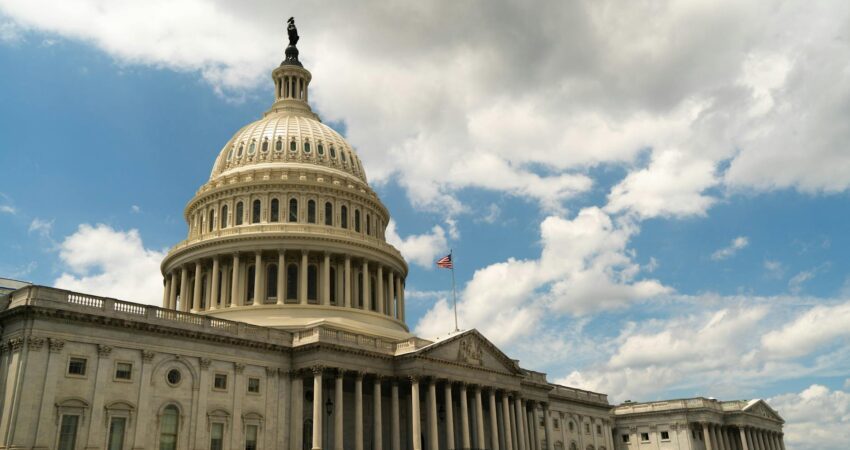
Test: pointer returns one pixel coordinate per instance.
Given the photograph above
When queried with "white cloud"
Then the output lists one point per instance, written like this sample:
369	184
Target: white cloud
6	209
795	284
41	227
421	249
109	262
774	269
729	251
10	32
135	209
820	326
817	418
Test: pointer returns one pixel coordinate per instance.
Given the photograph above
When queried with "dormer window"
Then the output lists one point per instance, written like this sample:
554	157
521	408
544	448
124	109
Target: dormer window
320	149
230	154
333	152
306	146
252	148
265	147
343	156
278	146
292	146
239	152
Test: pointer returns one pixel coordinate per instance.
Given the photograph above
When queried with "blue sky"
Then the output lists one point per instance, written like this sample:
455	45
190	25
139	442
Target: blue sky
669	229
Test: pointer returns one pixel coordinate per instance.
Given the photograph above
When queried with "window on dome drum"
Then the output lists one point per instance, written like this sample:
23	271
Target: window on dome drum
293	210
239	152
239	214
312	283
333	152
230	154
278	145
251	437
307	147
343	216
343	156
249	294
217	436
599	430
292	282
168	425
333	285
275	210
357	220
265	146
68	432
223	217
360	278
368	225
311	211
252	148
211	220
271	281
329	214
320	149
117	425
572	426
292	146
255	211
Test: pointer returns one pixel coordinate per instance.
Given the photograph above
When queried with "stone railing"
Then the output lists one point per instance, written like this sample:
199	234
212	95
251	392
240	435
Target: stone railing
291	229
579	394
669	405
110	307
326	334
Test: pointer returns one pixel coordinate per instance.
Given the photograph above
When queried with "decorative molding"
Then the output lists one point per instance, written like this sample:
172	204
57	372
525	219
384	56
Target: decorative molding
147	356
15	344
35	343
103	350
470	352
55	345
239	367
204	363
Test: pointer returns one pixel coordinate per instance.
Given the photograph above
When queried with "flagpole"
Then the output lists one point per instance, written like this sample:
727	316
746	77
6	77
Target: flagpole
454	291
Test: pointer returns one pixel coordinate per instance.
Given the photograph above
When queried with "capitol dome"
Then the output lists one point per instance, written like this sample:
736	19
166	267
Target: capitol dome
287	233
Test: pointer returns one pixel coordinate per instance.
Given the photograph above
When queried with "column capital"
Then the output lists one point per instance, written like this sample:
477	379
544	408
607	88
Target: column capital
413	378
317	369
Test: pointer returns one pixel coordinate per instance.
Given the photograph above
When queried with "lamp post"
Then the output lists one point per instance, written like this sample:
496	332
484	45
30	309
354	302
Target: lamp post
329	408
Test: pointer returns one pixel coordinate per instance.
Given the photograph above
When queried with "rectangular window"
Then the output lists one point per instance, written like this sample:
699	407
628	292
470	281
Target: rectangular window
644	437
251	437
665	435
123	371
555	423
77	366
599	430
220	381
626	438
117	425
254	385
68	432
587	428
217	436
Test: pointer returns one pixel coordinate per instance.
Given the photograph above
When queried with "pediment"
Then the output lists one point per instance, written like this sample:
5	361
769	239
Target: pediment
762	409
470	348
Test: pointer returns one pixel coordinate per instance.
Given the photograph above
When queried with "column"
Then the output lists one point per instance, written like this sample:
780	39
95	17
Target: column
297	397
494	424
340	411
317	407
390	293
225	285
172	294
479	419
235	299
367	292
326	280
520	432
724	436
749	443
433	438
743	435
547	419
196	292
526	431
401	299
380	288
213	304
706	434
165	291
782	441
506	418
281	270
715	436
302	278
414	411
378	439
464	416
184	289
396	425
450	418
760	436
358	411
347	282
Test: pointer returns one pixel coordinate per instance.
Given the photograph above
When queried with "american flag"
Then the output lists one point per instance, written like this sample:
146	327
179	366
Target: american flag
445	262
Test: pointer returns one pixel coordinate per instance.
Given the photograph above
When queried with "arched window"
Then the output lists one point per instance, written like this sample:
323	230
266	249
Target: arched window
333	152
271	281
320	149
239	213
329	214
169	424
211	220
239	152
342	153
275	210
312	283
249	295
360	279
357	220
292	282
252	148
230	154
311	211
292	146
224	216
306	146
265	146
368	225
343	216
333	285
278	145
293	210
203	292
255	212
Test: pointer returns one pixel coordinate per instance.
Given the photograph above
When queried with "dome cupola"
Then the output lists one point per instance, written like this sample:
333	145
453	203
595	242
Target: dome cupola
286	232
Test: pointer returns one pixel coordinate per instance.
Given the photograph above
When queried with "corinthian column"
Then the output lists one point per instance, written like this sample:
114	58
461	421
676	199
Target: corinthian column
358	411
433	437
464	416
235	298
506	418
317	408
479	418
281	269
450	420
520	432
743	436
415	420
378	440
302	282
390	293
184	289
258	279
494	424
367	292
172	291
396	423
214	289
347	282
326	280
338	418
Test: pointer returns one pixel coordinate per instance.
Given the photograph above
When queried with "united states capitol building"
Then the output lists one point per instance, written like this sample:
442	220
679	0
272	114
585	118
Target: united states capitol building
282	326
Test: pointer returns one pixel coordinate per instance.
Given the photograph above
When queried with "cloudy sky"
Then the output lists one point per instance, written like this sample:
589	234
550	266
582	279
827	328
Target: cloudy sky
645	198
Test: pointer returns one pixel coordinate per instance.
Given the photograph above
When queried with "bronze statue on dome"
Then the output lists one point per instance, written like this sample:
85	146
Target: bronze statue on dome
291	50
